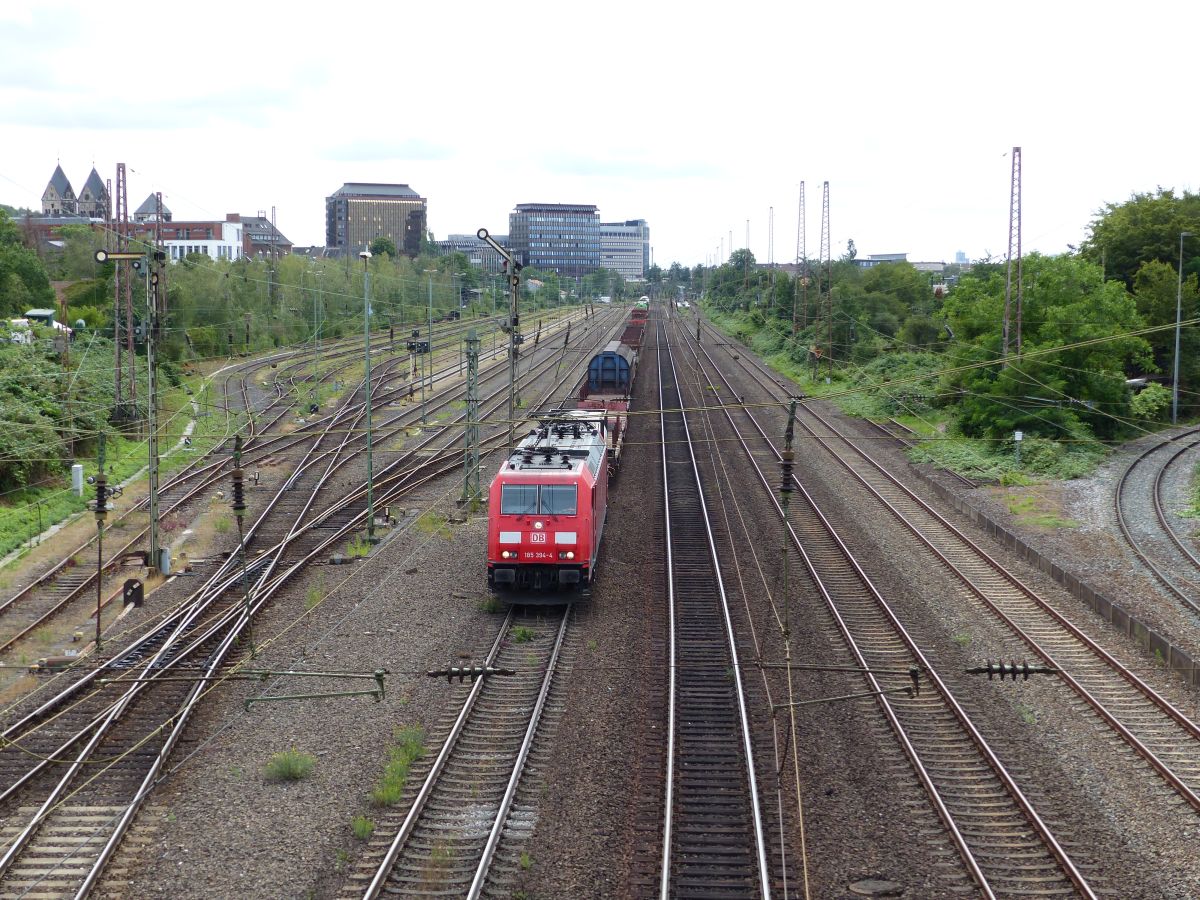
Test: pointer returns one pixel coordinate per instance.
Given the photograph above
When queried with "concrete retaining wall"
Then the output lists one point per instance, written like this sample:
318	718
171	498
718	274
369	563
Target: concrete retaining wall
1163	650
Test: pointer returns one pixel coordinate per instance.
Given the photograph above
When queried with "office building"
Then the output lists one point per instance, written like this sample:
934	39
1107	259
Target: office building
356	214
625	248
558	237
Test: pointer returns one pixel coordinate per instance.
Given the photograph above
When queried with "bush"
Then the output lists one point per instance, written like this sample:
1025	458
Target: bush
1151	402
290	765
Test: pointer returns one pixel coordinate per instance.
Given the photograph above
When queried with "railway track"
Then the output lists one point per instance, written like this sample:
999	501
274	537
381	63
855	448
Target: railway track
447	841
1158	733
126	738
713	841
1151	535
63	588
1005	846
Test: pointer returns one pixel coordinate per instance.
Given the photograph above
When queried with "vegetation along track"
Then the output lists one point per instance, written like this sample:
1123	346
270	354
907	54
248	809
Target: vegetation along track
1005	847
126	738
1160	734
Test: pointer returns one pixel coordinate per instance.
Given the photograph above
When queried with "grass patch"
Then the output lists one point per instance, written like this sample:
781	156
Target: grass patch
962	639
222	525
362	827
431	522
526	862
314	595
409	747
358	547
490	605
522	635
290	765
1032	511
1028	716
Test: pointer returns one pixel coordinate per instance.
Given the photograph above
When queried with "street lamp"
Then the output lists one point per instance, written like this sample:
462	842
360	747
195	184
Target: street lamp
366	258
1178	316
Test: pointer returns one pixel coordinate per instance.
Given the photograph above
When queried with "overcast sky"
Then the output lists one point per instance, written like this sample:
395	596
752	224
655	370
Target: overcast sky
695	117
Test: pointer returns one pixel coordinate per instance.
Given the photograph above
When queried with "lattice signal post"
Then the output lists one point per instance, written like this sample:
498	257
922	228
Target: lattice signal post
471	489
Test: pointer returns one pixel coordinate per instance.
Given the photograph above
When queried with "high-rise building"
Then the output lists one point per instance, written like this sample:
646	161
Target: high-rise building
560	237
625	248
356	214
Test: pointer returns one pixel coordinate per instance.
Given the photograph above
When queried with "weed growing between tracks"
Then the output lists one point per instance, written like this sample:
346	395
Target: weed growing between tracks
433	523
410	746
290	765
358	547
362	827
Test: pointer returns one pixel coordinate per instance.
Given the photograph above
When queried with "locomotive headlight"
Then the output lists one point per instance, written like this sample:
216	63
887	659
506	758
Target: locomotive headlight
504	554
566	554
570	554
537	524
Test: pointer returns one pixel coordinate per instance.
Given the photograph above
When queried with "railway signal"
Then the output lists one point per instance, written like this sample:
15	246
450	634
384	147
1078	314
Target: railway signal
239	511
512	269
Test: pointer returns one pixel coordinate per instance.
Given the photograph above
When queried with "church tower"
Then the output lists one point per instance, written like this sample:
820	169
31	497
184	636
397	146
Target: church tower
59	197
93	199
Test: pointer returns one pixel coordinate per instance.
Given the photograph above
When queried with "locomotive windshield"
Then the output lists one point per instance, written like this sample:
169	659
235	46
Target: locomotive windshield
557	500
519	500
528	500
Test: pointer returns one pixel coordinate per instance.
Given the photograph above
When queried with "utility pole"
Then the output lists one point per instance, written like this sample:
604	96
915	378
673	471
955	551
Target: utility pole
429	332
471	490
801	265
239	512
153	563
513	269
1014	236
366	258
1178	318
101	509
827	258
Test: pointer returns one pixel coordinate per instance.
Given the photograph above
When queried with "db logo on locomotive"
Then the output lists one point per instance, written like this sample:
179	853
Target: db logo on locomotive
537	537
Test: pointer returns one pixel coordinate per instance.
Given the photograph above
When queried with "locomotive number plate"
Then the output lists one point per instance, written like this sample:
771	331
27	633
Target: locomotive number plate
537	537
538	554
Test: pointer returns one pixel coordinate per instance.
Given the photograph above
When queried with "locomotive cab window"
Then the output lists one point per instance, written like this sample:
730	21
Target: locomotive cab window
519	500
558	500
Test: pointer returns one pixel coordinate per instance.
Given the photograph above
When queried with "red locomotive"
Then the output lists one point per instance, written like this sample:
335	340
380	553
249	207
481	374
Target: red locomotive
548	503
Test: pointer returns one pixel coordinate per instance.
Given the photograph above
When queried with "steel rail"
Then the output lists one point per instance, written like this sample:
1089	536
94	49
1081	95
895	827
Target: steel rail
760	850
1123	524
1092	650
243	618
943	691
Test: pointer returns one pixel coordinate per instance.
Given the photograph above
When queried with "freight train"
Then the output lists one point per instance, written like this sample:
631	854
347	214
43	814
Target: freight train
548	504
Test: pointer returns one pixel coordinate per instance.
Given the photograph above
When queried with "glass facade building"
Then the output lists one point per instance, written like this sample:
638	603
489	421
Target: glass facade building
625	248
559	237
356	214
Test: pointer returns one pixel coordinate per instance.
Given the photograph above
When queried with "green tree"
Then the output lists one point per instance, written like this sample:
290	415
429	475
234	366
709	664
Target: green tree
383	245
1127	235
1065	303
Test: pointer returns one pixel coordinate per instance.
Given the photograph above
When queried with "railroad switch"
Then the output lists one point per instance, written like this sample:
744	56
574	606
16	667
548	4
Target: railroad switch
1012	669
467	672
